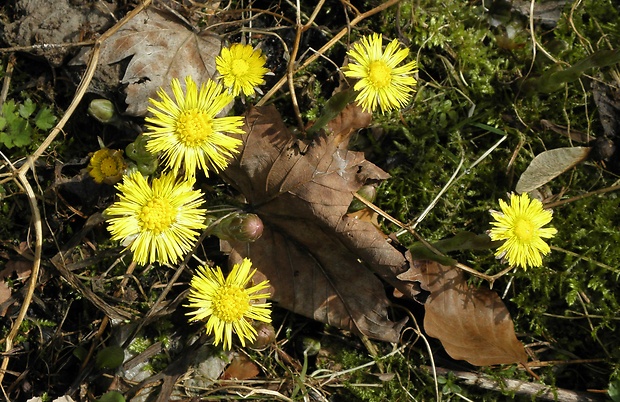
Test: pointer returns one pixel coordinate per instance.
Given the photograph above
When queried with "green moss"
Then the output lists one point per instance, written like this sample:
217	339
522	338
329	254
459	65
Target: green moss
571	302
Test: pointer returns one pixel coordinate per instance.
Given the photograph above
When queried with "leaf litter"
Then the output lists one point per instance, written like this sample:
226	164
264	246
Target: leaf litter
329	266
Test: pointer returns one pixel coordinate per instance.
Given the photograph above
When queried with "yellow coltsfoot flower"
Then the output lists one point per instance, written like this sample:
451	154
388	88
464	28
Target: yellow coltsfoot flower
242	68
107	166
186	130
160	222
520	224
227	303
381	82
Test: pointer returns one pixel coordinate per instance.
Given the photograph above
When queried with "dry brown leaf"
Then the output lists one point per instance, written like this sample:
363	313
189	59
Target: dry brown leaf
241	368
473	324
321	263
160	49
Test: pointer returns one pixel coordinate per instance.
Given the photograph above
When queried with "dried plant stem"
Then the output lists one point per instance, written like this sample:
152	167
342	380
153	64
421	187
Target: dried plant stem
325	47
20	178
582	196
7	79
34	275
290	72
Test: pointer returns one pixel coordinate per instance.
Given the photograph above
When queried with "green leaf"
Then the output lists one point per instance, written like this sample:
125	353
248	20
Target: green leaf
6	140
8	108
110	357
20	132
112	396
80	352
2	123
614	390
27	108
45	119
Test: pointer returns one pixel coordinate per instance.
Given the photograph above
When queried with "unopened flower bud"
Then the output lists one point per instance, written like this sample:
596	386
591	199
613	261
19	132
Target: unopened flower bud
102	110
241	227
368	193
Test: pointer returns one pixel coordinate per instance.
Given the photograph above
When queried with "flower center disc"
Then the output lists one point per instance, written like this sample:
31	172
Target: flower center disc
157	215
230	303
524	230
379	74
193	127
240	67
109	167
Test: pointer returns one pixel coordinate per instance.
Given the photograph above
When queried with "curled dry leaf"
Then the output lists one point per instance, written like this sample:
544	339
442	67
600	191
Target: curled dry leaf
473	324
321	263
160	49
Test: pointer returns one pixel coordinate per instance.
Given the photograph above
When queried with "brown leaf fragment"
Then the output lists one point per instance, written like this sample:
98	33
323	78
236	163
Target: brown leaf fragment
21	269
321	263
350	119
607	99
241	368
473	324
160	49
574	135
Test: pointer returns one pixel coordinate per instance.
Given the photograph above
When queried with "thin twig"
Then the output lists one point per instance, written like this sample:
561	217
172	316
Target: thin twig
290	71
582	196
7	79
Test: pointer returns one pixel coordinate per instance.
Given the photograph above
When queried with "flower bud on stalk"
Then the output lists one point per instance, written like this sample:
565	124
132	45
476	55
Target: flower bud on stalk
241	226
103	110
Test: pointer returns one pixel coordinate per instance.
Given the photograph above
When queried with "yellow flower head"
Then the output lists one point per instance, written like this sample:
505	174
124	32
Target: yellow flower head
520	224
186	130
228	303
381	82
159	221
242	68
107	166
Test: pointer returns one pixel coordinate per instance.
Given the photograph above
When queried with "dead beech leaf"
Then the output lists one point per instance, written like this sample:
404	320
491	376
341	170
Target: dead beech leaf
473	324
321	263
160	49
548	165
